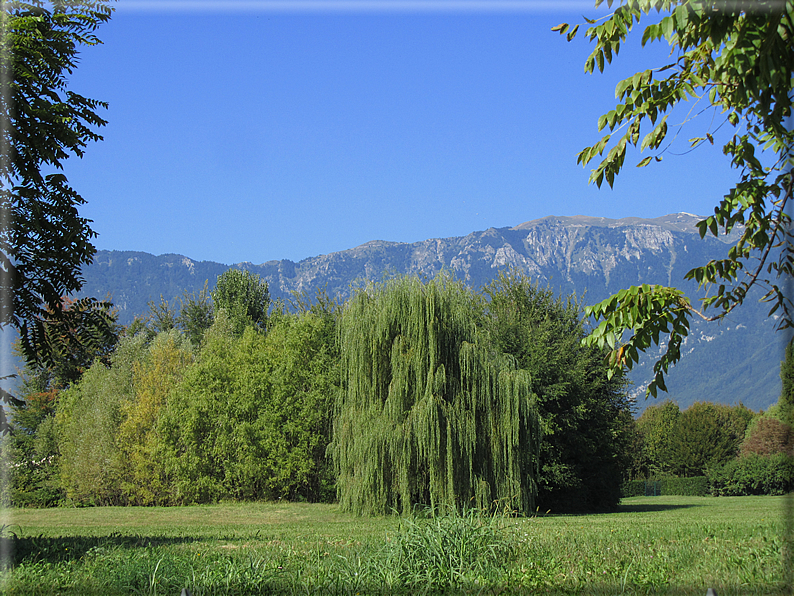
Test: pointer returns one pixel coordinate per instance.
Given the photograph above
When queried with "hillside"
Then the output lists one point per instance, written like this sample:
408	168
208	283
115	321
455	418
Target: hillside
737	360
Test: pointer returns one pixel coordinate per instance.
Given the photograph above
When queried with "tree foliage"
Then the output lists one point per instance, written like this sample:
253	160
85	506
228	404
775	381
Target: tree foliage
43	240
656	425
585	416
251	418
701	439
88	418
33	476
244	297
785	403
195	315
428	413
732	60
687	443
82	332
142	477
769	436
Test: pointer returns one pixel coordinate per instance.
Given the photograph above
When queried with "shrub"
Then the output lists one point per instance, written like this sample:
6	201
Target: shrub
633	488
696	486
753	475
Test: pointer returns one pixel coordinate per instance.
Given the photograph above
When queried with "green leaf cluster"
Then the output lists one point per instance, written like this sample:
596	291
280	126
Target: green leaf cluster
244	297
251	421
732	64
433	394
44	241
753	475
687	443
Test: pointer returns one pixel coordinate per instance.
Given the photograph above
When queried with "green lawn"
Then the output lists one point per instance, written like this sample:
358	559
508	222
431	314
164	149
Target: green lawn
652	545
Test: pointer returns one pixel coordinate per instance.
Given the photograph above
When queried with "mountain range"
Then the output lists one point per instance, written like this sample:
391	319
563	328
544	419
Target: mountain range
737	360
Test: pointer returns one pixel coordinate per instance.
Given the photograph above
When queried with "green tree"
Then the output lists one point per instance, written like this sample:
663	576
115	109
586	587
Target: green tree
244	297
33	477
699	440
88	418
143	480
43	240
251	418
428	412
585	416
656	425
195	315
82	332
785	403
305	374
736	420
733	62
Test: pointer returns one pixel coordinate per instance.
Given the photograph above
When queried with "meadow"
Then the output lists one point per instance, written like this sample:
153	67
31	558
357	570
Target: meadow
651	545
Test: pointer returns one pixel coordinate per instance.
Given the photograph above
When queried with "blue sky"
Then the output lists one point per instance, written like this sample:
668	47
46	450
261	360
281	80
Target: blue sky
261	130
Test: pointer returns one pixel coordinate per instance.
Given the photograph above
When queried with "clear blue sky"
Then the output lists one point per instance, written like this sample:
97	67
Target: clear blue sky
253	131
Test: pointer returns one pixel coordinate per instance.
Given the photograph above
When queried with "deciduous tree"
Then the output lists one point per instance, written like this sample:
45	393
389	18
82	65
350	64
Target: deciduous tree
88	419
429	413
656	425
195	315
769	436
244	297
250	420
44	241
699	440
143	480
585	416
732	63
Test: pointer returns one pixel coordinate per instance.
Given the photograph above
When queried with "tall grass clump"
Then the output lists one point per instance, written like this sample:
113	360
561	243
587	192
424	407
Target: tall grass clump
450	549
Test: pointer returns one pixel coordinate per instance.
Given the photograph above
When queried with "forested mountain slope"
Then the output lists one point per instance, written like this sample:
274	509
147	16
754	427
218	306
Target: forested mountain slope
737	360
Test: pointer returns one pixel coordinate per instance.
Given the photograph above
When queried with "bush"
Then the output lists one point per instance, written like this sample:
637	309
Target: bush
753	475
696	486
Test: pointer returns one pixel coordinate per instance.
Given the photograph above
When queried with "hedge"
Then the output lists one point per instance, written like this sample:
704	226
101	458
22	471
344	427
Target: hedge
696	486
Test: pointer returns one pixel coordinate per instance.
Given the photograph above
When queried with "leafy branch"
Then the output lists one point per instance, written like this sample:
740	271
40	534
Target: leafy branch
737	56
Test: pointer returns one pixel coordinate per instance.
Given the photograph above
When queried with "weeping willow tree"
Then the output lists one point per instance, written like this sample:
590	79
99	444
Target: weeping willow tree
427	413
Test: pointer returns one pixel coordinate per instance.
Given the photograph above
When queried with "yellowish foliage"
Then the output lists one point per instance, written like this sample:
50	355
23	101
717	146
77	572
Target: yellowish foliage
154	378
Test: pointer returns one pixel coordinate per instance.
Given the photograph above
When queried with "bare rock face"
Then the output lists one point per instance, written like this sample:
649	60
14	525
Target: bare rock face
589	256
570	254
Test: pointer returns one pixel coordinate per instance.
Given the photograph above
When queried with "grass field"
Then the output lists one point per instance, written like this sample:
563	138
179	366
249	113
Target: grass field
652	545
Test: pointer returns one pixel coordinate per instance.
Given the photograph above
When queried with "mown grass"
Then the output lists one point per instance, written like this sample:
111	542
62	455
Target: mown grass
652	545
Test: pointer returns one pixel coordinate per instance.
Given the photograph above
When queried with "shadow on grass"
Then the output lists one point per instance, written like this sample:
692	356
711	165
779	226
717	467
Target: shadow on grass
652	507
58	549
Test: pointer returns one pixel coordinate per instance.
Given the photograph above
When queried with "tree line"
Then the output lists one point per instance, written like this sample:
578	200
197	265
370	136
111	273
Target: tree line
737	450
412	392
